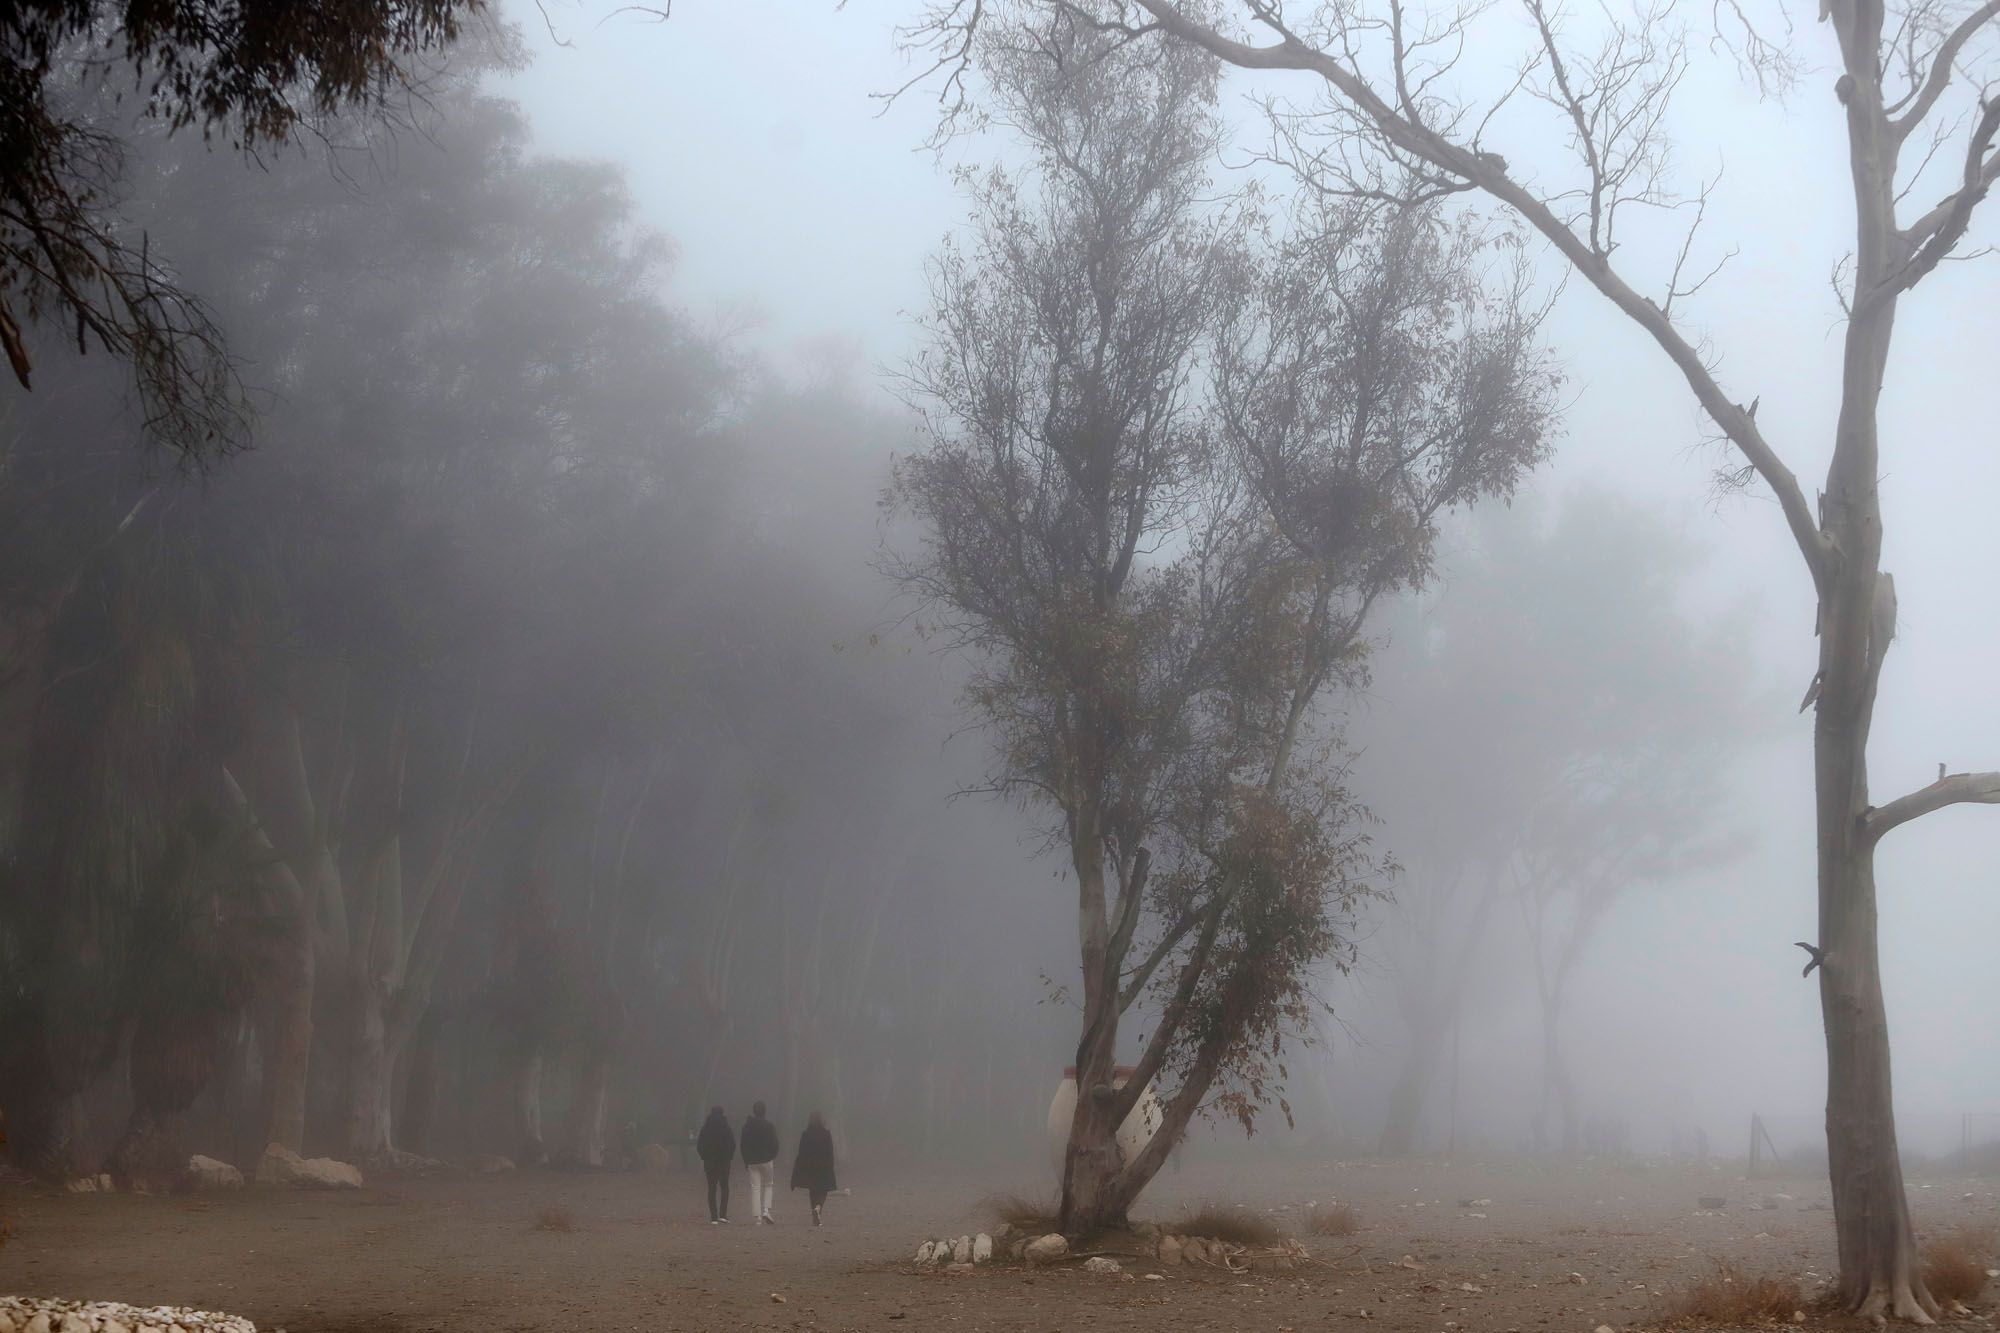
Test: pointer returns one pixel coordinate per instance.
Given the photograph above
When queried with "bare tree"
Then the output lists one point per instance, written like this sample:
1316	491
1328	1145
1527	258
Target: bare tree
1401	118
1159	504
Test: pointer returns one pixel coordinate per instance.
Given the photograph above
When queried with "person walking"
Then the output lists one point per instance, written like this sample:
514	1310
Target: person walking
812	1168
760	1155
716	1146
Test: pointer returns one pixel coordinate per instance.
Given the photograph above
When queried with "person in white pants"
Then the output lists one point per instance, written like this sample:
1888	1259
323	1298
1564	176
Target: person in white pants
760	1155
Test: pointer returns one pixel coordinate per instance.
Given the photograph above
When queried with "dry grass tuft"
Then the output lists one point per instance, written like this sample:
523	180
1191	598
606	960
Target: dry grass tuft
1955	1266
1237	1226
1728	1298
555	1218
1339	1220
1024	1215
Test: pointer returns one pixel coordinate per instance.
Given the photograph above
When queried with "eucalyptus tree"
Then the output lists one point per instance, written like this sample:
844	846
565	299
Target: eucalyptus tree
1157	506
73	266
1402	113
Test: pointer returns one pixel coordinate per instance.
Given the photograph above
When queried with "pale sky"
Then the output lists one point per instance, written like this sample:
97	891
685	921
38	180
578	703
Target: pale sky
750	135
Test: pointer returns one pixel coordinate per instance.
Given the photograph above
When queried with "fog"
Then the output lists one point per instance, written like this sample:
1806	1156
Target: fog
1690	1003
542	652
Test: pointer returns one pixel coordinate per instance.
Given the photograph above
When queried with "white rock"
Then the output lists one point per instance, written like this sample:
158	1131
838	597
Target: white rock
209	1174
1156	1277
1170	1250
282	1166
1047	1249
492	1164
961	1250
1101	1264
926	1252
38	1324
982	1248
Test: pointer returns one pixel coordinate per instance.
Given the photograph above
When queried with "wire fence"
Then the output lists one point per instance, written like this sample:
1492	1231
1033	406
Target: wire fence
1962	1141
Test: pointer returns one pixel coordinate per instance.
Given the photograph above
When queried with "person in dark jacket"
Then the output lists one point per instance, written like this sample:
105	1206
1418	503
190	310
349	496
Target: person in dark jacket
716	1146
760	1155
812	1169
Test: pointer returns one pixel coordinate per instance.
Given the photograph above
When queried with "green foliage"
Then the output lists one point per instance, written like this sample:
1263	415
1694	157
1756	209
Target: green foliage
69	257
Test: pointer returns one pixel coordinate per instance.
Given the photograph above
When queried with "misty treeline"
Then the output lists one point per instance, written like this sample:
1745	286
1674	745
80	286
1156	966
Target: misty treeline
494	757
523	745
1561	723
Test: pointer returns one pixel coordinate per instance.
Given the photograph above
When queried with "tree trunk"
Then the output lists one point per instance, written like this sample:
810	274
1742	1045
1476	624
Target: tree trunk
1879	1275
288	1060
370	1069
593	1089
1878	1253
1558	1089
528	1110
1092	1159
422	1085
1412	1088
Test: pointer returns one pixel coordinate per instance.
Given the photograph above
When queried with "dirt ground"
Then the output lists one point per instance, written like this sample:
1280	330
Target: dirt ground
414	1256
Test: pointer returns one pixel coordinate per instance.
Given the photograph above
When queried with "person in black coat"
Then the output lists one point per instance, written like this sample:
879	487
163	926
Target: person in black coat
716	1146
812	1168
760	1155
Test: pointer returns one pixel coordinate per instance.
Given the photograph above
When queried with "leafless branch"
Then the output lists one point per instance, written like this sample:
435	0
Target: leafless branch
1942	66
1937	232
1952	789
1488	172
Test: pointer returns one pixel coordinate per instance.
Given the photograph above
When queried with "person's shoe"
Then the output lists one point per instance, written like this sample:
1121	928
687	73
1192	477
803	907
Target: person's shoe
715	1221
815	1217
723	1220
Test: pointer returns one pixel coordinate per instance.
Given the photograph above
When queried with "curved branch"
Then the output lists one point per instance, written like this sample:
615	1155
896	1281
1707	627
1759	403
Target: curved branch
1954	789
1487	172
1942	228
1941	69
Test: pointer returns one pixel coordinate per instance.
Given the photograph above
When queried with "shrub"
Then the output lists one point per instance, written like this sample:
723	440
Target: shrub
1237	1226
1339	1220
1729	1298
555	1218
1955	1266
1024	1215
